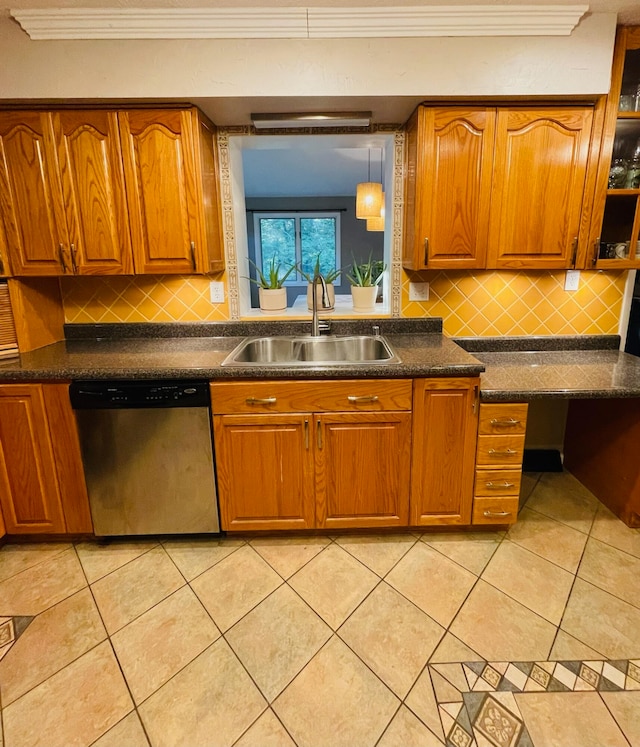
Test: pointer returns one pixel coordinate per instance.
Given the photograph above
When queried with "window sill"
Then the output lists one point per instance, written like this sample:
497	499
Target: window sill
343	308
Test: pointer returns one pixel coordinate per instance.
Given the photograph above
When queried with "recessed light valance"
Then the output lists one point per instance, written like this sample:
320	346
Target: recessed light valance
299	23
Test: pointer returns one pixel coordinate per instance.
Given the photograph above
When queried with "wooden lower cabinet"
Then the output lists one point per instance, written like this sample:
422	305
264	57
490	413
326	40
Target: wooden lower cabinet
363	469
306	470
445	422
265	471
316	454
42	489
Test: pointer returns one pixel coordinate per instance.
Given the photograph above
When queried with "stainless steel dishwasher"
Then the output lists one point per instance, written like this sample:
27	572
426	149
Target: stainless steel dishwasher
148	456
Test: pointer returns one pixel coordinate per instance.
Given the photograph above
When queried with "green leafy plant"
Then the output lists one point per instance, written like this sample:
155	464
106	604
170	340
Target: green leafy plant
272	279
366	274
329	277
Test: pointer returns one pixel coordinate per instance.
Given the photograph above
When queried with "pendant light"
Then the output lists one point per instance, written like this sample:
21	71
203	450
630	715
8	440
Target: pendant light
377	223
368	197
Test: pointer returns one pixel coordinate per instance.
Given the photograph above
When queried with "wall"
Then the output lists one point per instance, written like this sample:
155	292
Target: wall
578	64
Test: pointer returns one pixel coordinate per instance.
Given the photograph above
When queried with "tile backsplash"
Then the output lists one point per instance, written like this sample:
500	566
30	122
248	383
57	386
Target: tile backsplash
519	303
470	303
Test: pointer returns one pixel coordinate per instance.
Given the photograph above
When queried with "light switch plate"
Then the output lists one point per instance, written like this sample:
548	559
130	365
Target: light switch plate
418	291
572	280
216	291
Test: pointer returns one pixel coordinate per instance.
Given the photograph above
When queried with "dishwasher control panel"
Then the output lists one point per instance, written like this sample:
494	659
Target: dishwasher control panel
92	395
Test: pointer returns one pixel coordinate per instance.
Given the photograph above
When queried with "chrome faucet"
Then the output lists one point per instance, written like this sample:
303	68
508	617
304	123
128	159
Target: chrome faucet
315	323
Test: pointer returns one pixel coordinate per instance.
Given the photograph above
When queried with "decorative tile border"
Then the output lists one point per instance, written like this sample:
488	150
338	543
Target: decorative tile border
476	700
11	628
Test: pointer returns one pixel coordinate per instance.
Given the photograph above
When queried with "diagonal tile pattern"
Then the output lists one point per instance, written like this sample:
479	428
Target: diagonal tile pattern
528	638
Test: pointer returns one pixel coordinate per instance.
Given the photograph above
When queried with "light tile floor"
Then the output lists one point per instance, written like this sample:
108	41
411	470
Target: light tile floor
529	638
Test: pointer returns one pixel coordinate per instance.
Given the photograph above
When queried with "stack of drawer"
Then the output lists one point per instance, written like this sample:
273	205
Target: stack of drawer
499	455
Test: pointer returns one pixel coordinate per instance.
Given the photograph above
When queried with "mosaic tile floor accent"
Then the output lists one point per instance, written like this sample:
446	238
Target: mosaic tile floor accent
11	628
476	703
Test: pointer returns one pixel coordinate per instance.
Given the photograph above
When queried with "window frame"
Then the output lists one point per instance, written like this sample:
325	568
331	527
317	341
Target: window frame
295	279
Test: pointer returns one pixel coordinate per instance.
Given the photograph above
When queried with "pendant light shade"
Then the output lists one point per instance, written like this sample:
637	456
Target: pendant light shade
377	223
368	200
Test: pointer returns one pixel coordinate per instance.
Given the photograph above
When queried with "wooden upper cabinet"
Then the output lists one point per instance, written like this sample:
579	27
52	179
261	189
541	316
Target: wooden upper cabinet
92	179
31	200
614	239
169	162
540	169
445	422
448	188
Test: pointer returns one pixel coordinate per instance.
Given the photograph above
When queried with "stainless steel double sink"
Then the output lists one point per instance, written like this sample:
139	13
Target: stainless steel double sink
312	351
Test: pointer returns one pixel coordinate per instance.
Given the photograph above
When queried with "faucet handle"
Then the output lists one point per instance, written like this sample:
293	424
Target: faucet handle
376	330
324	326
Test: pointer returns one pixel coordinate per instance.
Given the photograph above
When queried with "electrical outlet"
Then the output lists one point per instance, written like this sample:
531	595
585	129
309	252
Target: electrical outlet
572	280
216	291
418	291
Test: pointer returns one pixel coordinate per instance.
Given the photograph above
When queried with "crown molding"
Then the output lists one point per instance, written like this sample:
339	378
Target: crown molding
299	23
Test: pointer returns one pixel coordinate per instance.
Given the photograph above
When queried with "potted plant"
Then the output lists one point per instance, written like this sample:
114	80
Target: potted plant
365	279
271	291
329	277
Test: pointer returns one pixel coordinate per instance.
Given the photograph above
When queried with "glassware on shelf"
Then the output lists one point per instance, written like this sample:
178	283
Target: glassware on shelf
632	180
618	174
627	102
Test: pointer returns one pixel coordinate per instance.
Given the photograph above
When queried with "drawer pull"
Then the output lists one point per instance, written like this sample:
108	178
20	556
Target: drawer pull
496	514
507	423
499	485
363	398
261	400
506	452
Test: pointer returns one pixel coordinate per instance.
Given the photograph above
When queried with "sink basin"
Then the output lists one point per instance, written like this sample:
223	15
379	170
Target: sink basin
310	351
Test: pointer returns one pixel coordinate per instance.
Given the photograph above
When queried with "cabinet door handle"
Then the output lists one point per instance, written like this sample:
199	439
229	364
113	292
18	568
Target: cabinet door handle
261	400
506	423
505	452
61	256
1	266
74	266
476	397
192	246
574	254
596	248
306	434
499	485
426	250
319	433
496	514
358	400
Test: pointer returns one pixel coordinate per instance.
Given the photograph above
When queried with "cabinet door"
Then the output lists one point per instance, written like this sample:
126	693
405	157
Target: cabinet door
538	187
363	469
264	465
31	201
208	174
443	453
157	147
29	491
453	166
92	175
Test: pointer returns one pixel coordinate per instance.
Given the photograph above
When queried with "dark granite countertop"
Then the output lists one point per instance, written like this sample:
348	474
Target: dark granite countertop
423	351
512	369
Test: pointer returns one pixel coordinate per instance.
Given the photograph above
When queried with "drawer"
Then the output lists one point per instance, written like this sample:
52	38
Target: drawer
357	395
487	510
499	450
498	482
503	419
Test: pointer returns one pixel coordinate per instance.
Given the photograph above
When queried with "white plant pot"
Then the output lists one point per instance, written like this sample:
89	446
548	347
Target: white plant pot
272	300
364	298
331	297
